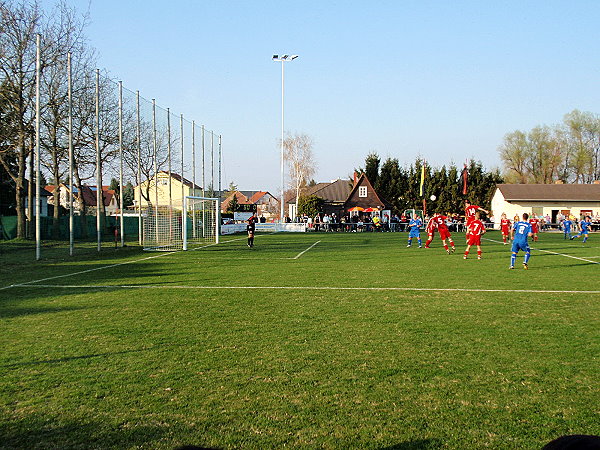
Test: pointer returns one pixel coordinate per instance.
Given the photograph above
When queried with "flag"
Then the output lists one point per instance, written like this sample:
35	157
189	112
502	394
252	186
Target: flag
422	185
463	182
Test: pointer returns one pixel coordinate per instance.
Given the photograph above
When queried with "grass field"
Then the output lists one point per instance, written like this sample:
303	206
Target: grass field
306	341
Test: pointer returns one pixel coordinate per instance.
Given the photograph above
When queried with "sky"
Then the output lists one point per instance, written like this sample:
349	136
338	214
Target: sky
441	80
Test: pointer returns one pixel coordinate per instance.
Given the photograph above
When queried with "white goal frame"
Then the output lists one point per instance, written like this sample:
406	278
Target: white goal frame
186	201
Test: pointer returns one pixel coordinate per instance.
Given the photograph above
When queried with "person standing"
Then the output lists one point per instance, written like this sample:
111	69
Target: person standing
414	226
566	225
521	233
535	224
250	228
475	233
505	228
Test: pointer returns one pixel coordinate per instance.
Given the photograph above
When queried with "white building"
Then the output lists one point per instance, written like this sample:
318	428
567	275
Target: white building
546	200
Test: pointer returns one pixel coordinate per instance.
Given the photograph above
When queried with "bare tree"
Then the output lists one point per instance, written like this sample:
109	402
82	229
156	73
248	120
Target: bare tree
513	153
300	159
19	24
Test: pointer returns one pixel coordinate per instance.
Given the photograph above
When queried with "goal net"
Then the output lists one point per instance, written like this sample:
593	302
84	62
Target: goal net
182	226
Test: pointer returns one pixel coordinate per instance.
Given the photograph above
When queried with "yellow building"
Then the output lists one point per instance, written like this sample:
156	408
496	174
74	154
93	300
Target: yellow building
178	188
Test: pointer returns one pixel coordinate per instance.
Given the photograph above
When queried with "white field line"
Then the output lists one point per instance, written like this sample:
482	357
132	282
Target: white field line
304	251
109	266
552	253
304	288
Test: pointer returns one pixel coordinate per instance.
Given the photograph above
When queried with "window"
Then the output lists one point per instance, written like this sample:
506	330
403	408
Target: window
362	191
163	182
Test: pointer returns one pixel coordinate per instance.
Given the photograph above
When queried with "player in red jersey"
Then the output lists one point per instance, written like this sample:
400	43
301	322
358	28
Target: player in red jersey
476	230
534	221
470	211
430	229
505	228
439	222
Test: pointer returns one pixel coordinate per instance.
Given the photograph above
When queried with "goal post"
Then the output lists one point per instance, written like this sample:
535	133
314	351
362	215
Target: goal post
181	225
201	221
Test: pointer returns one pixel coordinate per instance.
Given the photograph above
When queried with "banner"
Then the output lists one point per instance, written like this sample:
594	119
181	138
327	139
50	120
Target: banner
463	182
422	185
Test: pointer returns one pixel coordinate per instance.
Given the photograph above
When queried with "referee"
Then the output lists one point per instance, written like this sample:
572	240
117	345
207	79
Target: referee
250	229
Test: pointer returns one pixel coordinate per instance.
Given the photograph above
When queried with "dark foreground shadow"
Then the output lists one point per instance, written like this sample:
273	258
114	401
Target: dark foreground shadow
420	444
39	432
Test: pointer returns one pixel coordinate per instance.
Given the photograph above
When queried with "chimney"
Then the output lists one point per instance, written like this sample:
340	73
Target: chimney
355	178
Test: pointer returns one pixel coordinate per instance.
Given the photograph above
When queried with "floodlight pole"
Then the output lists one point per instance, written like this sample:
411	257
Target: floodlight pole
283	59
38	176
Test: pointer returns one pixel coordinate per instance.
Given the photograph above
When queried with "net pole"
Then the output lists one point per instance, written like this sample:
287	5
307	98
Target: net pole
170	185
181	178
98	174
194	177
122	220
139	165
182	157
212	162
203	177
70	93
154	148
184	223
219	196
38	177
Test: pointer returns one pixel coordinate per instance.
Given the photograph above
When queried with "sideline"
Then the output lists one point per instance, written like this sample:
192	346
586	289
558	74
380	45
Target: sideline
552	253
307	288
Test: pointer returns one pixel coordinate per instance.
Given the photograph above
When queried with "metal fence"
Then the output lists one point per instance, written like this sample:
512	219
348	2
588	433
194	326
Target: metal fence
91	129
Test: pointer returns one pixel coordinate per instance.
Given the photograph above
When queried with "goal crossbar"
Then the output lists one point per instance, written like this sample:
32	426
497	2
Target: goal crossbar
201	220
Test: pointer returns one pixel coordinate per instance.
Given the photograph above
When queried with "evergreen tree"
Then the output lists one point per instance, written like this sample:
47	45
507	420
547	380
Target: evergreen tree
128	195
372	167
310	205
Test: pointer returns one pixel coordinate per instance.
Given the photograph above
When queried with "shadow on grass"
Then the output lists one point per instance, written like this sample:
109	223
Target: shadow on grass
73	358
421	444
57	432
11	313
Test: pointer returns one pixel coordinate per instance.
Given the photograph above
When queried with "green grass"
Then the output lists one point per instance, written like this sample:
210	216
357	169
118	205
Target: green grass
187	359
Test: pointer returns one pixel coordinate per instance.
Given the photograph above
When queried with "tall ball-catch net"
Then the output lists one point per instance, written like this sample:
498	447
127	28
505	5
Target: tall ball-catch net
179	227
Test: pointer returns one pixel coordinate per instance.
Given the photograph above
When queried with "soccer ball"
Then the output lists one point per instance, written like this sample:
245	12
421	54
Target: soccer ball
433	197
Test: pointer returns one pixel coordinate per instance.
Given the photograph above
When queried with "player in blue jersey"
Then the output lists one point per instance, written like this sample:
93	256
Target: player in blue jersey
567	224
521	231
414	225
585	225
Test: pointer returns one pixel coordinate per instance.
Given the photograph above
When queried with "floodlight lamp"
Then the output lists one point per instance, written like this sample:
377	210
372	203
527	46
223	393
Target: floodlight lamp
284	57
293	57
275	57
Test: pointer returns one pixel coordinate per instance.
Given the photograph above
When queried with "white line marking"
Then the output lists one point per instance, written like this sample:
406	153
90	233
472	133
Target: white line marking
303	252
553	253
111	265
307	288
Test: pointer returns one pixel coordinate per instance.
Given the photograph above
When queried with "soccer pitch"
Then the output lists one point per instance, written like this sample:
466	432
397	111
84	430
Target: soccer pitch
338	340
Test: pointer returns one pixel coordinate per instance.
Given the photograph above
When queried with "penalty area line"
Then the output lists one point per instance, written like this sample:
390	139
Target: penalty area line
304	251
305	288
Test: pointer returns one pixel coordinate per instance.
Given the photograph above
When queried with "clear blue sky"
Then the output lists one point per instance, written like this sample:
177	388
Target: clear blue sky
441	79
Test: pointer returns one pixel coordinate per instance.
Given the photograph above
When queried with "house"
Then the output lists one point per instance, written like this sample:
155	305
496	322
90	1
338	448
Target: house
341	197
87	197
364	196
44	196
260	202
547	200
180	187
